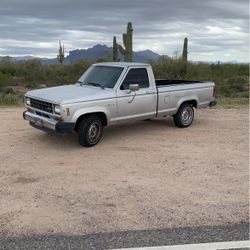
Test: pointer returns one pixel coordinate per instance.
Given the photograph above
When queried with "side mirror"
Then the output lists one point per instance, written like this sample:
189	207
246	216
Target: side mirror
134	87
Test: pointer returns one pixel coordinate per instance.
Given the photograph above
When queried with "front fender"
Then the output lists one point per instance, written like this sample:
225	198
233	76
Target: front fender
85	111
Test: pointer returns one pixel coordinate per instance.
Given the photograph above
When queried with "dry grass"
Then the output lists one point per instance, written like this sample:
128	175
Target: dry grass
233	103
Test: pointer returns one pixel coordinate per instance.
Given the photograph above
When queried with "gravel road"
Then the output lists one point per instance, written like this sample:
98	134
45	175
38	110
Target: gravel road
147	175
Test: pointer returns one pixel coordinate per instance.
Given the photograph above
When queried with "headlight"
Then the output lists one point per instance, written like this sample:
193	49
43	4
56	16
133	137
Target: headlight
27	101
57	109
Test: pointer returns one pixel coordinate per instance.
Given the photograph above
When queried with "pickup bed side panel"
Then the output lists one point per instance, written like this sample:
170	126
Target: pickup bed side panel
170	98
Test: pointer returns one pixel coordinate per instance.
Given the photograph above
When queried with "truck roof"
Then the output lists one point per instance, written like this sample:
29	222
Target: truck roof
122	64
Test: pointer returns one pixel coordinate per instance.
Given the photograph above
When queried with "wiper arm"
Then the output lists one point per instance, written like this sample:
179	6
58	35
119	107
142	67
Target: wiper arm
79	82
94	84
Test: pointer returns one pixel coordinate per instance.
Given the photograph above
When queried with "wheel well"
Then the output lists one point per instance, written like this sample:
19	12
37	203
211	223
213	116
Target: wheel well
100	114
192	102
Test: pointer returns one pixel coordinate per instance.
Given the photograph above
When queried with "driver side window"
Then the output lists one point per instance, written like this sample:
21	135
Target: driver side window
136	76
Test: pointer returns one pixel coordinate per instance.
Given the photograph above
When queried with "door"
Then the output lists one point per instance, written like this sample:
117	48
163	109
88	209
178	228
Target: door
136	105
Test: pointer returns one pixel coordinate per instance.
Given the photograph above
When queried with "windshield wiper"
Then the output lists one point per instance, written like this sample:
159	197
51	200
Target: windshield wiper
79	82
94	84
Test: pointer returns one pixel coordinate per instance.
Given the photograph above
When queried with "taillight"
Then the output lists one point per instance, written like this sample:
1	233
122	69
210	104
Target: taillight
214	91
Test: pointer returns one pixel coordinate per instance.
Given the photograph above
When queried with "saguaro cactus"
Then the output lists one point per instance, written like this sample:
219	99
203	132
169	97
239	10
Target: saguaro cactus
60	56
127	51
185	56
115	50
185	50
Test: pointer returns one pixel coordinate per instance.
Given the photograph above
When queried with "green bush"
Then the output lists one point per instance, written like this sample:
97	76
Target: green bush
166	67
11	99
232	80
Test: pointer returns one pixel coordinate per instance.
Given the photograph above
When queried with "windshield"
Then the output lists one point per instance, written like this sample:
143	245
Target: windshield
101	76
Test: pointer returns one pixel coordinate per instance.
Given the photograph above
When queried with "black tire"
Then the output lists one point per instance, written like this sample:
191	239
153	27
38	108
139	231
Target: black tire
185	116
90	130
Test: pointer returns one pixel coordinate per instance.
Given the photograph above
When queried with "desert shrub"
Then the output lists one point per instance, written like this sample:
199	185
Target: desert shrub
231	79
3	79
166	67
11	99
238	83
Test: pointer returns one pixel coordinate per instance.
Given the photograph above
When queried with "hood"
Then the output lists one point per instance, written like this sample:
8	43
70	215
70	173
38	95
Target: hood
69	93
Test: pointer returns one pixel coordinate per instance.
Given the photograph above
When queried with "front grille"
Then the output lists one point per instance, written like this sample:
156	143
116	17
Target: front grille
41	105
42	114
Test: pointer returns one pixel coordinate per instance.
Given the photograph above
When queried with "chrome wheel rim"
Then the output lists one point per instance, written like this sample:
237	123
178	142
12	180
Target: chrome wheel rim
94	132
187	116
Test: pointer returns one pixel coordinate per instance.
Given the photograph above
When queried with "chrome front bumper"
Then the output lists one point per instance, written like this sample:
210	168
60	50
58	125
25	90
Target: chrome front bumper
48	124
39	120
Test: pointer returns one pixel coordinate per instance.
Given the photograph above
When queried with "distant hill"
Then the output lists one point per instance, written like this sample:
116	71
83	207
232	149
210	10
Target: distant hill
97	52
103	51
17	58
28	58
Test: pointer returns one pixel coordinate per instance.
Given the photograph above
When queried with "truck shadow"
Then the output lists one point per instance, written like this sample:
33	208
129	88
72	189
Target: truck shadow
137	130
111	134
140	127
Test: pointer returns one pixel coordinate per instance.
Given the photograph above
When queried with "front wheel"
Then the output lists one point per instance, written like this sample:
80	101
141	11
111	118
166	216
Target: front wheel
185	116
90	130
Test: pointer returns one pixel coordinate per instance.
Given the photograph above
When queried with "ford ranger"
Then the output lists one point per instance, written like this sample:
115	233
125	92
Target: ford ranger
113	93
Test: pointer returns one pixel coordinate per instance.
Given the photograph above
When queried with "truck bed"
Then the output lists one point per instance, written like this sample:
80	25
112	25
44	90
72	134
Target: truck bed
165	82
172	93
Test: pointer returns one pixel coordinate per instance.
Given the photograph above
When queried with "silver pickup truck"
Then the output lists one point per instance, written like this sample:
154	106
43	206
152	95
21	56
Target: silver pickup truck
113	93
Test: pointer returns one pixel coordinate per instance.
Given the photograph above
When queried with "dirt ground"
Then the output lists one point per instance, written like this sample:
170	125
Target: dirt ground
145	175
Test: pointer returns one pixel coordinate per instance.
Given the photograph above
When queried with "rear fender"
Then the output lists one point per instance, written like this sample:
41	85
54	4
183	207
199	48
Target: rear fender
187	99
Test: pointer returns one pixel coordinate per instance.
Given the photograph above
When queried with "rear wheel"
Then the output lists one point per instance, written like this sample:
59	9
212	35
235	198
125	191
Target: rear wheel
90	130
185	116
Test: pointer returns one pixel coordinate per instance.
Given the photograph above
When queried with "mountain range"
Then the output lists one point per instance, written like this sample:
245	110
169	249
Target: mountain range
96	52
